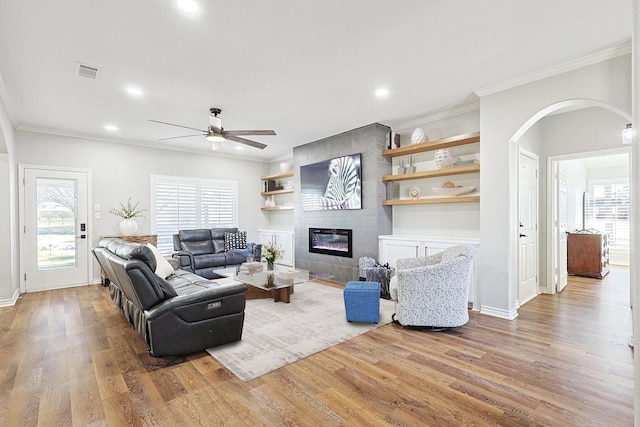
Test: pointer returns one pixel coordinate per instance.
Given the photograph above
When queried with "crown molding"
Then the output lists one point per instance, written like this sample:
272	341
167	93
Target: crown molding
146	144
435	117
595	58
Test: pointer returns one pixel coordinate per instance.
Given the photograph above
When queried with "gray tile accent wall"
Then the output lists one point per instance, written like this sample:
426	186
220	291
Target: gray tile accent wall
367	223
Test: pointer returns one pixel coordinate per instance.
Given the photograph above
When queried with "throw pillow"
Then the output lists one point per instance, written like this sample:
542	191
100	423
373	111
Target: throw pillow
163	268
235	240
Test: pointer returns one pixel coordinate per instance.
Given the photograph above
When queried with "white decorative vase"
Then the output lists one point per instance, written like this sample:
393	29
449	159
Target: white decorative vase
444	159
418	136
128	227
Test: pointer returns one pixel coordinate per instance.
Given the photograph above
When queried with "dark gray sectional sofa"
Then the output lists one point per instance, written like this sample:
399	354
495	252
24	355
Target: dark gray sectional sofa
177	315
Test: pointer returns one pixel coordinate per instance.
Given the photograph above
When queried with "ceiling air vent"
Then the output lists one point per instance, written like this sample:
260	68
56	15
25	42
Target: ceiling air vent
83	70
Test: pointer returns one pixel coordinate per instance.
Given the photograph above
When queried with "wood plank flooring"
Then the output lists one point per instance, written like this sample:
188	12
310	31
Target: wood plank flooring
68	357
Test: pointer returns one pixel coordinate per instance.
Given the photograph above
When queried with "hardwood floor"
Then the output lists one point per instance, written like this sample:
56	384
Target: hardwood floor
68	357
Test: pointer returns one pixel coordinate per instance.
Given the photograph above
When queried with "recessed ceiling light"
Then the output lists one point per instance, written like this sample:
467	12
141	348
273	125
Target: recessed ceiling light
134	91
239	147
111	128
189	6
382	92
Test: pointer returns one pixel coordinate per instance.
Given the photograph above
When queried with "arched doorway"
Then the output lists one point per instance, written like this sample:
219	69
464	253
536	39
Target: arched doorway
568	127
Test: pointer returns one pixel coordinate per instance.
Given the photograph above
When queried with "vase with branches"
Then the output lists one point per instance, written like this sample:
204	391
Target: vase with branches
127	212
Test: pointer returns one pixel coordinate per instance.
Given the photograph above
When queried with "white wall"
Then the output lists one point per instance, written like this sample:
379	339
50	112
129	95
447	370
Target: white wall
576	173
504	114
120	171
8	229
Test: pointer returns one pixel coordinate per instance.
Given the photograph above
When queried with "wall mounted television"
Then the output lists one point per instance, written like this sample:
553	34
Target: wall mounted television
332	184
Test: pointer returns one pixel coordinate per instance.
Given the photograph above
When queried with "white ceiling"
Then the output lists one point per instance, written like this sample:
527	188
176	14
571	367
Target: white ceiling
306	69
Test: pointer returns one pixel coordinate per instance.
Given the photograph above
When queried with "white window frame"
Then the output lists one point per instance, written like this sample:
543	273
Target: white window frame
200	184
610	181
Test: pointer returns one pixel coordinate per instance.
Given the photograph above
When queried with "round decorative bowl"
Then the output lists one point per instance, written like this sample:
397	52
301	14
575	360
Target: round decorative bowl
457	191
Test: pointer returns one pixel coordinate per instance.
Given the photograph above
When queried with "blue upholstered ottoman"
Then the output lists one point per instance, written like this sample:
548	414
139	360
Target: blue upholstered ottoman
362	301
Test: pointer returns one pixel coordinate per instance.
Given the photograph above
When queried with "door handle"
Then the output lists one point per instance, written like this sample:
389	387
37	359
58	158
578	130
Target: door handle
523	235
82	236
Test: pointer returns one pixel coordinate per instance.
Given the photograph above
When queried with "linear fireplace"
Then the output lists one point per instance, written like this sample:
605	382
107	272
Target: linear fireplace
331	241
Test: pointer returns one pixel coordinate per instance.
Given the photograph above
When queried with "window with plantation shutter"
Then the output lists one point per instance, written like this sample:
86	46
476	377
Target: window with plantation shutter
607	210
184	203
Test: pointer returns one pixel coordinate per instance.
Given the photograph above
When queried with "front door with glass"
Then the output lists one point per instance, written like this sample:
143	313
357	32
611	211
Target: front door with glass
55	238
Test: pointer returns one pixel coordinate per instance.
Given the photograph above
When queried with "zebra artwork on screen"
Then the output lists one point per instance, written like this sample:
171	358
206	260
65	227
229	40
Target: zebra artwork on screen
332	184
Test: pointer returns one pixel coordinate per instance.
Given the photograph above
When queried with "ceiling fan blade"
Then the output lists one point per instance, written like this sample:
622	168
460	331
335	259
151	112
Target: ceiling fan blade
183	136
173	124
246	141
249	132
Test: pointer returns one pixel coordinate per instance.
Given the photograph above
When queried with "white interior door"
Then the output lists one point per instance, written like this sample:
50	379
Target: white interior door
528	227
54	238
563	216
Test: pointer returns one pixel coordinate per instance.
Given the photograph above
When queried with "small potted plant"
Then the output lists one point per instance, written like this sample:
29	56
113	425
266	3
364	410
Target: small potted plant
127	212
411	168
402	167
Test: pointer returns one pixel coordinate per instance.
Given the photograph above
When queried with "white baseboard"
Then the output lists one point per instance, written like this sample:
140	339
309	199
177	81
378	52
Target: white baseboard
11	301
498	312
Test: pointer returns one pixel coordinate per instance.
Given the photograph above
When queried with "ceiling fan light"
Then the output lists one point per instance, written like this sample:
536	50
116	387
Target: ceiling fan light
214	137
216	145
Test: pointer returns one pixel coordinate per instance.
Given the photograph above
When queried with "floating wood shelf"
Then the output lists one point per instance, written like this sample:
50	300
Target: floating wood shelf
277	176
438	144
274	192
429	200
458	170
278	208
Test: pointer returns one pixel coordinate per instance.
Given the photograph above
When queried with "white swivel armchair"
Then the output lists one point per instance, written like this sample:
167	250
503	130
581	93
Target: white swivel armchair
433	291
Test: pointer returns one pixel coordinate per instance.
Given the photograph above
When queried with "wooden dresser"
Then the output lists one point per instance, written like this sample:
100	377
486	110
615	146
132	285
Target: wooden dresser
588	254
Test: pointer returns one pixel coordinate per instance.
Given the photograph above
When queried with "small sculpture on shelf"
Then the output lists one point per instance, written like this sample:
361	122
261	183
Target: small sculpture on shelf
418	136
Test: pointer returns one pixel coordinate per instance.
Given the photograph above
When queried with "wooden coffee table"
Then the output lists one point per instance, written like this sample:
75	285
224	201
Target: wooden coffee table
278	284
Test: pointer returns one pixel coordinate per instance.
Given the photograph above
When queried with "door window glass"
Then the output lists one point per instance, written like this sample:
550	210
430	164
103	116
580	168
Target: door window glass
56	219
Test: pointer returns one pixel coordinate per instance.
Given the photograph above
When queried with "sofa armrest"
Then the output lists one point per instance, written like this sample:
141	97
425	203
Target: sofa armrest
185	259
199	305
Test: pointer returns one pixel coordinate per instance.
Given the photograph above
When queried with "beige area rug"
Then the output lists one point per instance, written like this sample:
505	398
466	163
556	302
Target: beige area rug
276	334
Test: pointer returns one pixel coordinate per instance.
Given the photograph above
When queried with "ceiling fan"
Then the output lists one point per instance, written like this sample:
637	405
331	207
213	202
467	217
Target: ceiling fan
216	134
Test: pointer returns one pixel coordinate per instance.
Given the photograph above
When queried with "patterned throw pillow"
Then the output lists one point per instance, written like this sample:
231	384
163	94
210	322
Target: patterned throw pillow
235	240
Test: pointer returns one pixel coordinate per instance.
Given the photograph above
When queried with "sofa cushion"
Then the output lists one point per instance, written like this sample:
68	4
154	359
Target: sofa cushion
129	250
198	248
218	246
218	233
235	240
163	268
167	289
208	260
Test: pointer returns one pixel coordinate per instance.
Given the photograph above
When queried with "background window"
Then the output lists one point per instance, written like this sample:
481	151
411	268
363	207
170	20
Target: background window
180	203
607	210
